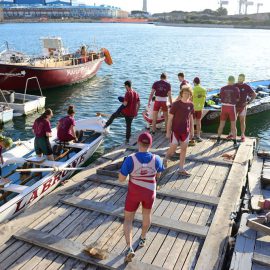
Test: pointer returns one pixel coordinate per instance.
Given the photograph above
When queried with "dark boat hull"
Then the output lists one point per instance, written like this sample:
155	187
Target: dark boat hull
212	115
13	77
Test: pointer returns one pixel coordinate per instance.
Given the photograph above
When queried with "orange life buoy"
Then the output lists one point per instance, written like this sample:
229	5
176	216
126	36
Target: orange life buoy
108	58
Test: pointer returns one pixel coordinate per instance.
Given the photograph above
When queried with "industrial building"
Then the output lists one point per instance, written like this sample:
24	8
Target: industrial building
53	9
1	15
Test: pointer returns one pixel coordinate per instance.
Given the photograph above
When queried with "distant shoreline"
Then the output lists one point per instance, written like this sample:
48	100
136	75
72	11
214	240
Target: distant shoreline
199	25
202	25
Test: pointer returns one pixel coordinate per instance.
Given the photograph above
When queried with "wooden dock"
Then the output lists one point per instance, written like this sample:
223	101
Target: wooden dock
252	248
192	216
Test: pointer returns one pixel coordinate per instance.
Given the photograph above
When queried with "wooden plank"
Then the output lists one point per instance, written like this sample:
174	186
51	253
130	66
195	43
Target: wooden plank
254	182
166	223
217	161
73	249
177	194
261	259
108	173
215	245
258	227
244	247
59	224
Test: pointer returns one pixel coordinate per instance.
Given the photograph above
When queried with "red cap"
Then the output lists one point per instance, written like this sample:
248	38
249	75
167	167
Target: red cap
145	138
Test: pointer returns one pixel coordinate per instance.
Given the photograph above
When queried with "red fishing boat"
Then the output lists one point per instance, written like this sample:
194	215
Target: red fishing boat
54	68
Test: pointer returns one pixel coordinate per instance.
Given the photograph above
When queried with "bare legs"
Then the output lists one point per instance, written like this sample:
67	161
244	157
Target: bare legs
129	217
198	127
146	213
182	157
242	120
154	121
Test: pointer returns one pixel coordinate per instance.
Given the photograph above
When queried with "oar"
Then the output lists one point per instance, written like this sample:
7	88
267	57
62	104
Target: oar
103	114
53	169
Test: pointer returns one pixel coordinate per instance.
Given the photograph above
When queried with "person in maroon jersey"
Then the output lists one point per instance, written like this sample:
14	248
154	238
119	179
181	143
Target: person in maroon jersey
229	95
241	106
131	106
180	127
162	90
42	130
181	78
66	126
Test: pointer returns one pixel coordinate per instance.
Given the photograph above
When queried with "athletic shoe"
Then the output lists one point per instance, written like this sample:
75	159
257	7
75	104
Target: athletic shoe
199	139
229	137
142	242
243	138
130	254
152	132
235	145
218	141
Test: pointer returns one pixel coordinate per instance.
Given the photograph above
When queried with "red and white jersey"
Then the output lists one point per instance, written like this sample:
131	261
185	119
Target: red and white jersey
144	174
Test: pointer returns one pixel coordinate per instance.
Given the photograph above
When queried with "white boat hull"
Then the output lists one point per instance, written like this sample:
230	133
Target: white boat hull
48	183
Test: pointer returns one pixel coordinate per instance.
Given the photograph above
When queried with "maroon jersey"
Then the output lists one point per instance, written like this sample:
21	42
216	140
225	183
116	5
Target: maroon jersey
181	112
229	94
132	98
41	126
64	127
162	88
184	82
245	91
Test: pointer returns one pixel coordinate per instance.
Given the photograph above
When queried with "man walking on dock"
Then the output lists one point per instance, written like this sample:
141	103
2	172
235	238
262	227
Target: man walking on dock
162	90
143	168
131	106
229	95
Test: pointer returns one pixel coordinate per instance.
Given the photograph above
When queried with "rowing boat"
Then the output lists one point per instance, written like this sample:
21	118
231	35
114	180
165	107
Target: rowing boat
211	113
26	189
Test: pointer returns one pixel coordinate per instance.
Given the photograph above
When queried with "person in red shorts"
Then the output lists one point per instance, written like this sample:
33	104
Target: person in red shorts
229	95
180	127
241	106
162	90
143	168
66	126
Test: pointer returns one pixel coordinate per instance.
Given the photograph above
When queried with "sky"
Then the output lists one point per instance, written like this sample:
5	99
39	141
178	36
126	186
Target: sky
155	6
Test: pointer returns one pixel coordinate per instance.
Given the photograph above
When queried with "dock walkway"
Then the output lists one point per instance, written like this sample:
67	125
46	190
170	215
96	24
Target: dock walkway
252	248
192	216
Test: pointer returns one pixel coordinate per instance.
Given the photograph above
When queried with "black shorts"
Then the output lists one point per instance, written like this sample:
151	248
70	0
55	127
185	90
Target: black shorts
43	146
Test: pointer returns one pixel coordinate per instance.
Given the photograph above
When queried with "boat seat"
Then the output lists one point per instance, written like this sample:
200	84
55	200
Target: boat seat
14	188
72	145
76	145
